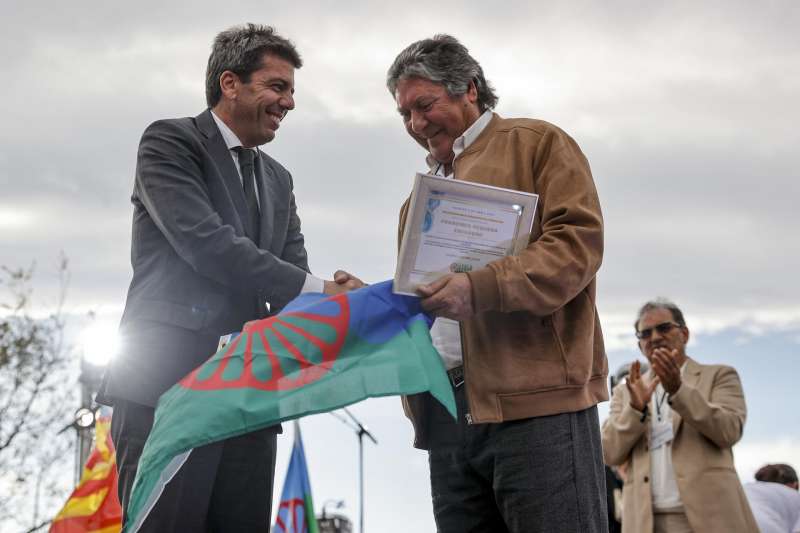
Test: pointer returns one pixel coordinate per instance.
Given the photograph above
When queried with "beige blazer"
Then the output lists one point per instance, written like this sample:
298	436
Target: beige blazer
708	414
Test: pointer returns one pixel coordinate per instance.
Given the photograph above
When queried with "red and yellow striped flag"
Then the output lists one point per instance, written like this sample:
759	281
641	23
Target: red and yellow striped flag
93	507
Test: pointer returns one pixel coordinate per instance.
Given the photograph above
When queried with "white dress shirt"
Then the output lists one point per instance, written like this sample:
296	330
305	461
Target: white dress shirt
445	333
312	283
663	486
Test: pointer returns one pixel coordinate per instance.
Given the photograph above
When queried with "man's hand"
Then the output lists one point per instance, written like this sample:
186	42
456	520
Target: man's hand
342	282
640	391
667	369
449	296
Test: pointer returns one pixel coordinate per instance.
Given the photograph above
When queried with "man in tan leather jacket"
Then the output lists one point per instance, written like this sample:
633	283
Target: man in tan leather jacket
520	337
674	427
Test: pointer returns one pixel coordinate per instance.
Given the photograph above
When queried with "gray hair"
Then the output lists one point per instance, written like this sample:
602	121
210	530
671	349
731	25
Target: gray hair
241	50
661	303
443	60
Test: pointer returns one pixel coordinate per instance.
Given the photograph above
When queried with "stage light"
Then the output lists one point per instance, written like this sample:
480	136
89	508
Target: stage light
101	342
84	418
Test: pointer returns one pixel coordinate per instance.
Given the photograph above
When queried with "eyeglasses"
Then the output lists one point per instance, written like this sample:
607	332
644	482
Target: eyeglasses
662	329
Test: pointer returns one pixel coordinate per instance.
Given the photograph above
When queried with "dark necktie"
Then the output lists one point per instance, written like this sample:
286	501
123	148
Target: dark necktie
246	160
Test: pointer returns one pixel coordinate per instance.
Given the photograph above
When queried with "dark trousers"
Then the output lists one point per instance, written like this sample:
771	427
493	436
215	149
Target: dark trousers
223	487
542	474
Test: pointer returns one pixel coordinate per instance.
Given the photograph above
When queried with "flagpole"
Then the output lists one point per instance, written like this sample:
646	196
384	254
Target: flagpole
361	430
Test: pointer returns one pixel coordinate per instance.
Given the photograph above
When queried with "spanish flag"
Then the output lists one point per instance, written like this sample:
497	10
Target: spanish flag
93	507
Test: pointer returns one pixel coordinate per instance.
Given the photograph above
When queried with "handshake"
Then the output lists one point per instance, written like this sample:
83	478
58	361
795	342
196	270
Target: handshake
342	282
449	296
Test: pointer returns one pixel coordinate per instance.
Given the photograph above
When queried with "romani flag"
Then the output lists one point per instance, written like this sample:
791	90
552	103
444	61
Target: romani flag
318	354
93	507
296	508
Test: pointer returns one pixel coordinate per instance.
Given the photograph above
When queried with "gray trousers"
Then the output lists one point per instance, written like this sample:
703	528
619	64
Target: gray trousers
542	474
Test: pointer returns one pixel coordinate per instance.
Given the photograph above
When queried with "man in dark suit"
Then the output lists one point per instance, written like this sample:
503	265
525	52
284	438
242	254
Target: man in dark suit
216	242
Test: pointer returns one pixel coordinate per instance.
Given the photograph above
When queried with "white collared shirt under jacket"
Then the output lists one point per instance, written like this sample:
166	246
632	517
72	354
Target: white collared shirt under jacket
445	333
312	283
663	485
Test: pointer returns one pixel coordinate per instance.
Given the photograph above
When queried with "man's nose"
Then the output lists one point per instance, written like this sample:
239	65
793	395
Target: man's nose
418	122
287	102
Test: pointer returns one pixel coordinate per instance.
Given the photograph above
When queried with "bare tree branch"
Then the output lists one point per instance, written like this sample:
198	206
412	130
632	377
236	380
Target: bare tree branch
36	397
38	526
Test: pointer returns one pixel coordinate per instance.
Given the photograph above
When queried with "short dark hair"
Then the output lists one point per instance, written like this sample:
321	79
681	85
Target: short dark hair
443	60
661	303
241	50
777	473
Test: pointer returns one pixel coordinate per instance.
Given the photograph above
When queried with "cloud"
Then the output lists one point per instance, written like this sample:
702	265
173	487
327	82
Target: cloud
681	110
745	325
683	119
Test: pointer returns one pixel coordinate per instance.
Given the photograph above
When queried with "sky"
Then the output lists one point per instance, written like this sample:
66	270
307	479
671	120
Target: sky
686	111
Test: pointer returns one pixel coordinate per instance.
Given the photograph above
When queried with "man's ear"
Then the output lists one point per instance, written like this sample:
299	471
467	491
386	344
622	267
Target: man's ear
229	84
472	92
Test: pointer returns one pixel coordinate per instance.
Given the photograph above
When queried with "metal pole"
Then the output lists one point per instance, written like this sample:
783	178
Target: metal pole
360	430
78	464
84	434
89	381
361	481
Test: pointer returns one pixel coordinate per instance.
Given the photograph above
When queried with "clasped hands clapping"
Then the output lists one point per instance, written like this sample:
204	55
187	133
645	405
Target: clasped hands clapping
667	372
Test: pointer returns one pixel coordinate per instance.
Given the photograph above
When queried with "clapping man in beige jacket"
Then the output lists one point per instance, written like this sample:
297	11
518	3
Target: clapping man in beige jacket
675	426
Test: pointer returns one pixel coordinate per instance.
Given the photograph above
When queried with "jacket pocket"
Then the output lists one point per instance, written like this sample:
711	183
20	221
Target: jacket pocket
573	327
192	317
530	337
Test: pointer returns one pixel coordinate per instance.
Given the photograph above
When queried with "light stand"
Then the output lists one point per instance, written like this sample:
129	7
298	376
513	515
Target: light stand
361	431
91	375
82	423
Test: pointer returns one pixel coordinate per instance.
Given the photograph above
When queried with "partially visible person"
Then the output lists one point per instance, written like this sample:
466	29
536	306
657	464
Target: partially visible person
774	499
675	426
614	485
615	475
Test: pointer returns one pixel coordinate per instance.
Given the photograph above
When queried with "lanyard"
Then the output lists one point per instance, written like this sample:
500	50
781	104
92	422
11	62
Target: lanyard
659	402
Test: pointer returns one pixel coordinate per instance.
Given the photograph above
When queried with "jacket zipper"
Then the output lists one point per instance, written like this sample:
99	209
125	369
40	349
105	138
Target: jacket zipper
467	415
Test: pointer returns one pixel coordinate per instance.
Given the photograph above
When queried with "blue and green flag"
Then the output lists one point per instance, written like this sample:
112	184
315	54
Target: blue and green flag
296	508
318	354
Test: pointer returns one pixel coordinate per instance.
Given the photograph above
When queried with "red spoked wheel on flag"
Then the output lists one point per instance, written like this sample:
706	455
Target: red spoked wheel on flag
297	517
257	366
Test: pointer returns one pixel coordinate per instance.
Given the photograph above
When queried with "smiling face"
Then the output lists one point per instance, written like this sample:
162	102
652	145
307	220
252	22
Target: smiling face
662	332
253	109
434	118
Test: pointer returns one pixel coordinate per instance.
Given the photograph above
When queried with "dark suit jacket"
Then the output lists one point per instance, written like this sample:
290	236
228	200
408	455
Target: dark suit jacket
196	275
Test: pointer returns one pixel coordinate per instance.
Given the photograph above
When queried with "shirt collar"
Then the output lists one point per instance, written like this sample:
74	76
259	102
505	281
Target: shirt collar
465	140
231	139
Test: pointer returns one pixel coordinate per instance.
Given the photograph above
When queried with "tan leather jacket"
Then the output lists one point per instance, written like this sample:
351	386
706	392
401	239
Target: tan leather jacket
535	347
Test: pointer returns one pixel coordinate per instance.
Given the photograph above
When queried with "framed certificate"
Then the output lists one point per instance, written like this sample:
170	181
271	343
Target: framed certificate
459	226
